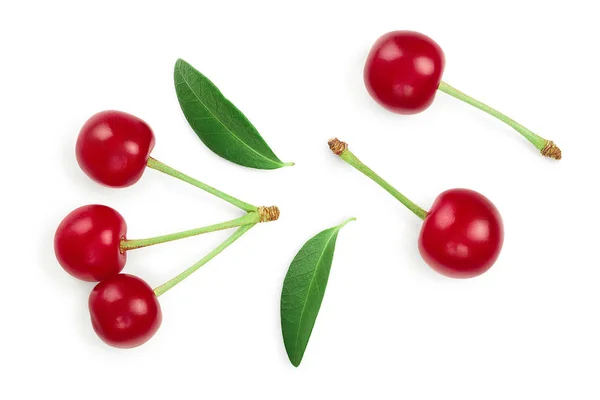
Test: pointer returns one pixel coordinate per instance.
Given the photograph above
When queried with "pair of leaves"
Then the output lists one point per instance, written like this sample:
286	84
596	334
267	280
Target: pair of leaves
227	132
218	123
303	291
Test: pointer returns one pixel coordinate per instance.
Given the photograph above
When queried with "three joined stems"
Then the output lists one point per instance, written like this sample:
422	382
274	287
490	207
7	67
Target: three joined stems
254	216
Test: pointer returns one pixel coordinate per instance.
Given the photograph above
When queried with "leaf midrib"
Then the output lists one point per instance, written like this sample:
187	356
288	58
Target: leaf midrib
308	291
220	122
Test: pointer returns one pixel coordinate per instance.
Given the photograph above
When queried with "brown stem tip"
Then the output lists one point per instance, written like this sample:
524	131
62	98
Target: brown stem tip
268	213
551	150
337	146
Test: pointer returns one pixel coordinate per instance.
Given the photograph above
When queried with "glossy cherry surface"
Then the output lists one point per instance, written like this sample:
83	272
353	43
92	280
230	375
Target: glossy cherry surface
87	242
124	310
113	148
403	71
462	235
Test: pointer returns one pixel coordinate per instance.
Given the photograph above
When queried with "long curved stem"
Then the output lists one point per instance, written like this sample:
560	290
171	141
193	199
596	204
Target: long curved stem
249	219
539	142
157	165
169	284
341	149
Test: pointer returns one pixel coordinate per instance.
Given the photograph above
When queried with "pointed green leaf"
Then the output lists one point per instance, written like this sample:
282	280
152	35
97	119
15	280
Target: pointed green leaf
218	123
303	291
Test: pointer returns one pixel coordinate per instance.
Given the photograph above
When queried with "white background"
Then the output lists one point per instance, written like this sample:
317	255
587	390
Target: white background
389	326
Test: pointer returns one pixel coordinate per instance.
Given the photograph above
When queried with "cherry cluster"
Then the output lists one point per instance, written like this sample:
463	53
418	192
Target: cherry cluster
113	148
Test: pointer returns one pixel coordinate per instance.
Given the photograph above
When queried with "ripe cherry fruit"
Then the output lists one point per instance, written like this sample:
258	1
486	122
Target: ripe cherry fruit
124	310
113	148
462	234
87	242
404	70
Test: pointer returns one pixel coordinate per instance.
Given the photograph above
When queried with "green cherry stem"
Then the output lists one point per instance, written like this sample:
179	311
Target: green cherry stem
546	147
169	284
341	149
157	165
249	219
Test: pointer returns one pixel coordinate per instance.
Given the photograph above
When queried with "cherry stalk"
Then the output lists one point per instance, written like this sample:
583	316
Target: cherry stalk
165	169
404	70
216	251
462	234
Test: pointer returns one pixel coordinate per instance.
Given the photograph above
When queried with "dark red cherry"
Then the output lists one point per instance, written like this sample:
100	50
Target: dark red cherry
462	234
113	148
125	311
403	71
87	242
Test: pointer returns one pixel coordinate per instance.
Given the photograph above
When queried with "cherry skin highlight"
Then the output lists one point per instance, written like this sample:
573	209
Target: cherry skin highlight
113	148
462	235
403	71
87	242
124	310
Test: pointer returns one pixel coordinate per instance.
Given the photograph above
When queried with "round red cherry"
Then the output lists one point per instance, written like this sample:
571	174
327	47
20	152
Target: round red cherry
403	71
125	311
462	234
113	148
87	243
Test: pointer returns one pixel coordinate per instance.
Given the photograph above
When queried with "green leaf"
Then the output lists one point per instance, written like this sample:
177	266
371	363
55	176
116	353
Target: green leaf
303	291
218	123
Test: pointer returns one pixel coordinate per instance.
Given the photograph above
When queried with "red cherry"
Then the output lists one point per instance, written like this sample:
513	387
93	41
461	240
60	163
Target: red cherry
403	71
87	242
113	148
125	311
462	235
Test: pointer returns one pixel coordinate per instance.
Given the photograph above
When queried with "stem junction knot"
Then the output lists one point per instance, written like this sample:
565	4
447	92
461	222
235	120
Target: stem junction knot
268	213
337	146
551	150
